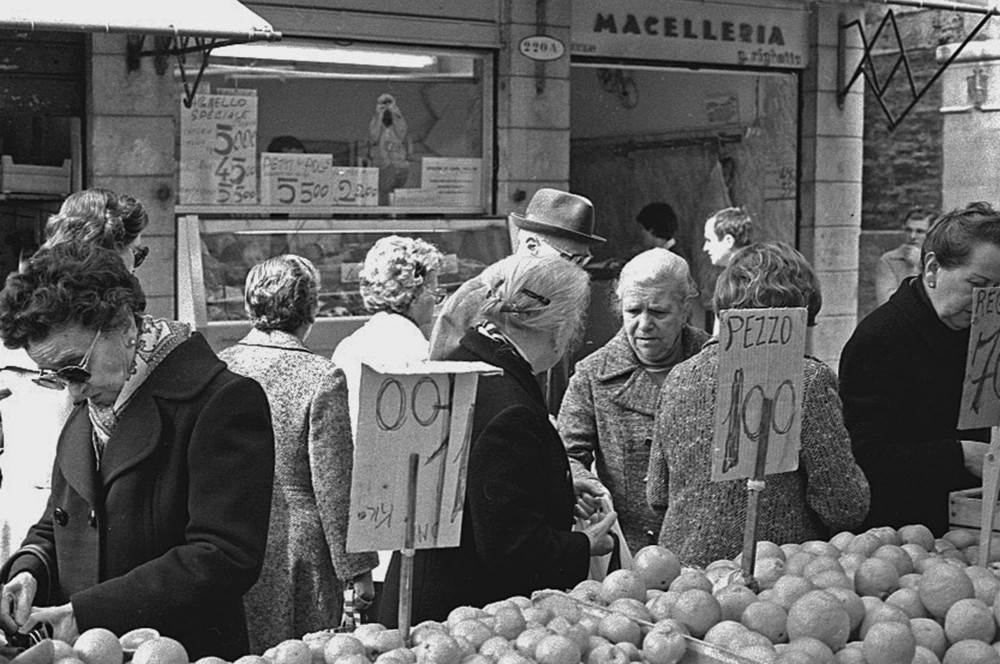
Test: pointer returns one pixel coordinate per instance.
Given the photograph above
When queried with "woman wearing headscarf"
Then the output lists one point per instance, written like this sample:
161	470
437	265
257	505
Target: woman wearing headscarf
161	488
306	565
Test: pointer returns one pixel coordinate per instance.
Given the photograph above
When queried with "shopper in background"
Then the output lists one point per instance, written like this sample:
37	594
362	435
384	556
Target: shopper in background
904	261
306	565
902	372
103	218
161	488
555	223
704	520
606	417
727	231
519	501
658	222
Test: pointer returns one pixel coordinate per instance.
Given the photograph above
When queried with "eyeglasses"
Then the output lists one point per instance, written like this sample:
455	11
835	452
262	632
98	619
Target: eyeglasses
75	375
575	259
439	294
139	255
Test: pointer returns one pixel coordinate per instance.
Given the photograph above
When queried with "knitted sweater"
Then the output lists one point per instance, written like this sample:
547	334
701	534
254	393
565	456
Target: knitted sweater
704	520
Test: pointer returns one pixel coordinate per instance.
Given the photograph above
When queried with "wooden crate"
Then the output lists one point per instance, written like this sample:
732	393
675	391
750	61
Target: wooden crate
966	508
31	179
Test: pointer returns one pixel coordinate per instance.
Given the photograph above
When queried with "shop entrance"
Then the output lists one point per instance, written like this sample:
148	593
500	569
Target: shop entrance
697	140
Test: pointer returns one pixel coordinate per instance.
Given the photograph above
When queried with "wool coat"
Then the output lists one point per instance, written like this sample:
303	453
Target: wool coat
901	376
704	520
306	565
606	419
517	523
170	532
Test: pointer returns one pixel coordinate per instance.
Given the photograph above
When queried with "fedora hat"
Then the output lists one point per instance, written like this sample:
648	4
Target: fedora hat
559	214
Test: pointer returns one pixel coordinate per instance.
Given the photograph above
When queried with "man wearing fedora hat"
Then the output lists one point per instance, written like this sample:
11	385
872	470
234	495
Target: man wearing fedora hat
554	223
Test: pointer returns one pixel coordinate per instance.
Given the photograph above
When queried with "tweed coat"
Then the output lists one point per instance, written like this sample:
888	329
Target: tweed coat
606	417
301	587
704	520
901	376
516	526
170	532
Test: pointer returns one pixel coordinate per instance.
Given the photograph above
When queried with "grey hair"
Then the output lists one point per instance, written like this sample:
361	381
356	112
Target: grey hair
657	268
395	271
282	293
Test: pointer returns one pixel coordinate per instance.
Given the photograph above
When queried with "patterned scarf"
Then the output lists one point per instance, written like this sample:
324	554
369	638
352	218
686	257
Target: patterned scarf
155	339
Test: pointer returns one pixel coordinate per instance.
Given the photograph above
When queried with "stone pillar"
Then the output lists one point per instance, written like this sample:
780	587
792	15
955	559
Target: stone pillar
130	149
532	106
830	188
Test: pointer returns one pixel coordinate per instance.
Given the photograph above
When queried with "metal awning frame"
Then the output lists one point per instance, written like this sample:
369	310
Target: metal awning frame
866	66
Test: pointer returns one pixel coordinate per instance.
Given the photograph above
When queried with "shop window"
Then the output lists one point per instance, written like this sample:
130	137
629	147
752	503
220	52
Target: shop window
352	129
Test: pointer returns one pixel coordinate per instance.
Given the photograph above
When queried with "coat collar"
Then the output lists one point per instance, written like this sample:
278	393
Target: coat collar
273	339
640	393
912	302
492	352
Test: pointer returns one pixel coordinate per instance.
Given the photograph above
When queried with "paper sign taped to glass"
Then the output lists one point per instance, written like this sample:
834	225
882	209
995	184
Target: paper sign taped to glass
758	406
411	454
981	387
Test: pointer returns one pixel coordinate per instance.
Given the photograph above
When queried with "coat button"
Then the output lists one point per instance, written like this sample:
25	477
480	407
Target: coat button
93	519
60	516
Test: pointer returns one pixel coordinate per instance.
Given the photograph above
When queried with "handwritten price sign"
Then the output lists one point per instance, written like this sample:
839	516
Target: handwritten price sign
219	151
357	186
759	400
981	389
296	179
424	410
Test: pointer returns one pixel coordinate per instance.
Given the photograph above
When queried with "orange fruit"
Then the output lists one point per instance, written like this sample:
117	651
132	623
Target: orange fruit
661	647
210	659
689	579
514	657
887	534
787	589
161	650
984	582
819	615
823	564
821	549
605	653
889	643
908	599
508	622
969	619
971	652
589	590
925	656
72	659
135	638
561	605
460	613
876	577
767	571
529	639
897	556
733	600
930	634
698	610
662	605
631	608
853	604
881	613
796	563
723	633
961	538
622	583
555	649
842	539
831	578
768	618
816	649
574	631
657	566
292	651
98	645
943	585
341	645
866	544
918	534
618	628
439	649
473	631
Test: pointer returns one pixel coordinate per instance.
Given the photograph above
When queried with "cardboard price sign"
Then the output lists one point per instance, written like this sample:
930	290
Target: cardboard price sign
219	150
424	411
355	185
981	386
295	179
759	399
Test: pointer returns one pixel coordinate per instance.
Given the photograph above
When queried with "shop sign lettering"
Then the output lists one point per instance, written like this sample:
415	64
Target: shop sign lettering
750	36
981	388
759	397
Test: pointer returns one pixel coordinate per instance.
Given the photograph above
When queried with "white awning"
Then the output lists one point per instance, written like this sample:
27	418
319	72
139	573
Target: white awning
219	19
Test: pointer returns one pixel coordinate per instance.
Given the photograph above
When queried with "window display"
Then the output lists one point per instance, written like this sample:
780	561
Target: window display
323	125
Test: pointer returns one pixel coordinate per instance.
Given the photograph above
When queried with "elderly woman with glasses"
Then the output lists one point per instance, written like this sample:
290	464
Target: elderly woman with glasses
606	416
306	566
161	488
704	520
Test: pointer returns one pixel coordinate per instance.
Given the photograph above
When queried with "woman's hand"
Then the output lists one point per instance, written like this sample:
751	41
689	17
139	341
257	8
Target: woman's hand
60	617
974	452
364	590
589	496
598	532
15	601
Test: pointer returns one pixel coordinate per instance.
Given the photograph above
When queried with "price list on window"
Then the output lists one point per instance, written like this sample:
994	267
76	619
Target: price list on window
295	179
219	150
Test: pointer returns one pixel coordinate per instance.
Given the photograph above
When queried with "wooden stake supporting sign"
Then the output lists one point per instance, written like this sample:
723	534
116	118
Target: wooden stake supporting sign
410	459
981	400
758	407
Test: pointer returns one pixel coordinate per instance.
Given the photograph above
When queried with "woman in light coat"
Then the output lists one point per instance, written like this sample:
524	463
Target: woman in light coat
306	565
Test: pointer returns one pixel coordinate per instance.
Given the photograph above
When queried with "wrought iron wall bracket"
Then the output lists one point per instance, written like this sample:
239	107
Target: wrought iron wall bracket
179	47
866	66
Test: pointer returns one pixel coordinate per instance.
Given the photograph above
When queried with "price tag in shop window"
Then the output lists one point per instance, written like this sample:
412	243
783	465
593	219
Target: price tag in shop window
218	151
355	186
350	273
296	179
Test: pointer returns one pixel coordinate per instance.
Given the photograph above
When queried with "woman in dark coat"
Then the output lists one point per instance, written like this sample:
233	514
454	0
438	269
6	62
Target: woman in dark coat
307	566
161	489
519	501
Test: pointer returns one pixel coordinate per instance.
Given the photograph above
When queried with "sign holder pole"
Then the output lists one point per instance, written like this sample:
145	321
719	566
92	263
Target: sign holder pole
408	551
991	484
755	485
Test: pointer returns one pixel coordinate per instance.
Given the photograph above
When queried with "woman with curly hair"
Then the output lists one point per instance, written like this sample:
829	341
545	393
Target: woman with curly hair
145	525
306	565
704	520
104	218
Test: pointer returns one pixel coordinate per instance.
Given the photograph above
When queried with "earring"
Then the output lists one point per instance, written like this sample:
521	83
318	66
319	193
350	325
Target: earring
130	343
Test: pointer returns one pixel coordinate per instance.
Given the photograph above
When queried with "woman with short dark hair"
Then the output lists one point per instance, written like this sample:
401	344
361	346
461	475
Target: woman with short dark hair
704	520
144	527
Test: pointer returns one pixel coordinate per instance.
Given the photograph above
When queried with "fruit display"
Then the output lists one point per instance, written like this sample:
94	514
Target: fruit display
885	596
